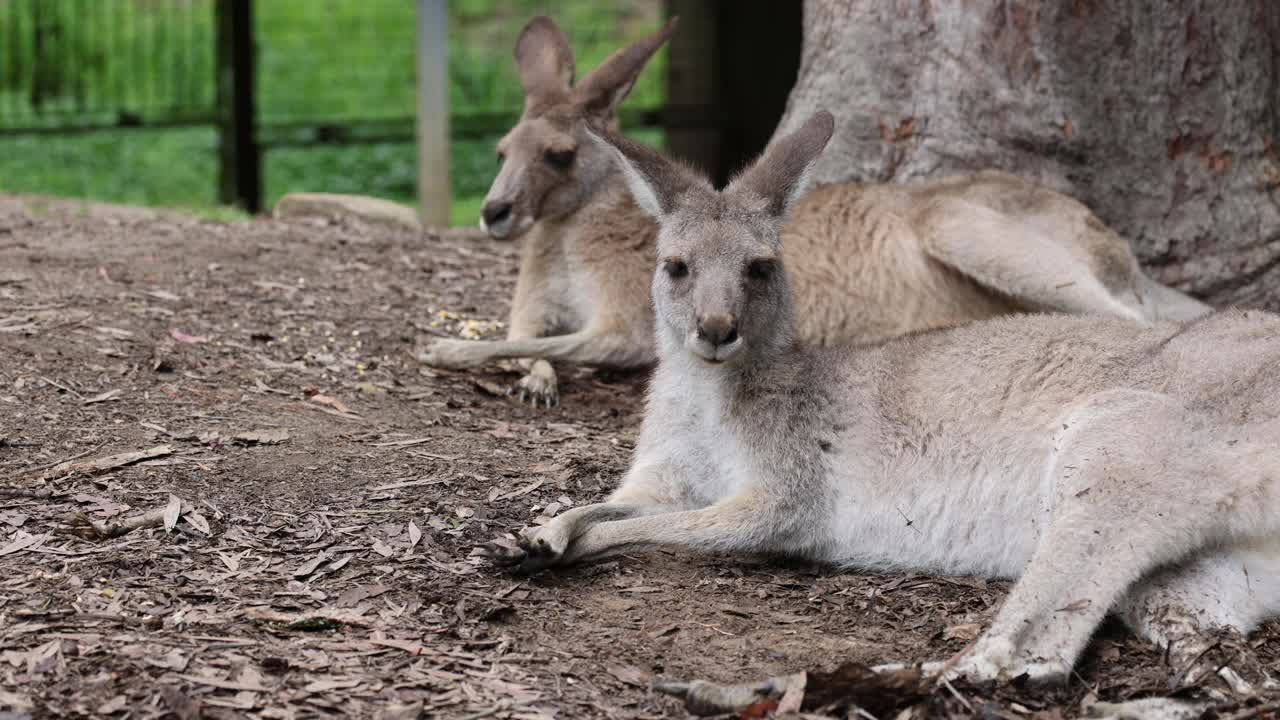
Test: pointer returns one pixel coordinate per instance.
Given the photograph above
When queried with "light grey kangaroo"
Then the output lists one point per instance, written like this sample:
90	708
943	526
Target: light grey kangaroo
868	262
1107	466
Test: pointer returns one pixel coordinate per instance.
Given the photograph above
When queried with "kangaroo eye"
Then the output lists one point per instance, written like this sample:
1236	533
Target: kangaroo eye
559	159
676	269
501	157
760	269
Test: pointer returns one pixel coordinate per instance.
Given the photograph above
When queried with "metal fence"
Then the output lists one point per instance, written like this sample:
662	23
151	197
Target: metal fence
277	73
69	65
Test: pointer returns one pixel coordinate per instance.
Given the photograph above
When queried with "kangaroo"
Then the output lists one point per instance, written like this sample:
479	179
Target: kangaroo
867	262
1105	465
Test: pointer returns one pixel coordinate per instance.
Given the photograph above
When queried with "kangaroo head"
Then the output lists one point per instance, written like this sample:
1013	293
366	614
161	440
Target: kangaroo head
549	169
719	285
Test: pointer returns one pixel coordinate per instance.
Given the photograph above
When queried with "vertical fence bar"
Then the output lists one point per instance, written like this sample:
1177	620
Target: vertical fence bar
433	113
14	81
693	85
240	165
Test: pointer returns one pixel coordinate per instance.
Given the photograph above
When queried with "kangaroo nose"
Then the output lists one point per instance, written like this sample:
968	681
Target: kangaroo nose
718	329
495	212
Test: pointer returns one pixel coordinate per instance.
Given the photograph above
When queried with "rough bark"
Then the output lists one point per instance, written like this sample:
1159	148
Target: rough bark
1161	115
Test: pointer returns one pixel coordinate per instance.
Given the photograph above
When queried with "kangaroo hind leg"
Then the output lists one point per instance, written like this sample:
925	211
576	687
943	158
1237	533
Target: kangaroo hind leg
1136	483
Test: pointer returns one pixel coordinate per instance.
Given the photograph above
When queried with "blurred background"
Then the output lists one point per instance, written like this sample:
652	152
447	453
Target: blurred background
118	100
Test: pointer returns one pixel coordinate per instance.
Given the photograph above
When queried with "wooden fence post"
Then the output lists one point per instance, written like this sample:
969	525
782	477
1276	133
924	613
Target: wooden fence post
433	113
693	85
725	92
239	160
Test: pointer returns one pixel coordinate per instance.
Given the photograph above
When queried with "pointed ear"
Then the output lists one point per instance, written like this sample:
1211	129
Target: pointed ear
655	182
780	175
602	89
544	60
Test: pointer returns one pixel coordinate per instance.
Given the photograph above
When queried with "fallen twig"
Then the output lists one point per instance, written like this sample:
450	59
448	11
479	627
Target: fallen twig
409	483
61	387
26	492
86	527
963	700
402	443
323	619
109	462
90	529
55	463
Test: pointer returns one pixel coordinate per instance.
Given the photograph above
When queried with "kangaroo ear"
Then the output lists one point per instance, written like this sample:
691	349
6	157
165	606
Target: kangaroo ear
780	175
655	182
544	60
602	89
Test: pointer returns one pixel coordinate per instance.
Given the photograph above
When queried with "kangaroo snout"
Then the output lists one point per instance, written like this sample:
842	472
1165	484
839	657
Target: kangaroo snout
718	329
495	218
716	338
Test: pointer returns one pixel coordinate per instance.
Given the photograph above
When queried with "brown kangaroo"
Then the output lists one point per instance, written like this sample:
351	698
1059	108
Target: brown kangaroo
866	262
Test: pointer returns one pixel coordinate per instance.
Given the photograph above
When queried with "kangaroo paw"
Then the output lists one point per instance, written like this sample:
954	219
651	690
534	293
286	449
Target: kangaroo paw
538	390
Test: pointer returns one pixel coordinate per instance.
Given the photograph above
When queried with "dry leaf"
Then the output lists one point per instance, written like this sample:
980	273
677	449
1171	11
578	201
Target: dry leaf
966	632
382	548
334	403
171	513
401	711
409	646
182	337
310	566
22	540
414	534
490	387
163	295
320	686
664	631
13	519
108	395
524	490
630	675
224	684
355	595
173	660
16	701
197	521
114	705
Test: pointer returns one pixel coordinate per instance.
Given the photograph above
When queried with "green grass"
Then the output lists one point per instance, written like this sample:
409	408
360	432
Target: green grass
318	60
166	167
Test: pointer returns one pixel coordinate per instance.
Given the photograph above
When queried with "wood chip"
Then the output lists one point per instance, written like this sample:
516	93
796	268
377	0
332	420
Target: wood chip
274	436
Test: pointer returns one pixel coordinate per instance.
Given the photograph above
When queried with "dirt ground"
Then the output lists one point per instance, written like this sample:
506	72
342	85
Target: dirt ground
316	495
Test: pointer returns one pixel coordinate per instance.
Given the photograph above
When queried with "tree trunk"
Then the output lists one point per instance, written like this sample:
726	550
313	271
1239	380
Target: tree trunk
1161	115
